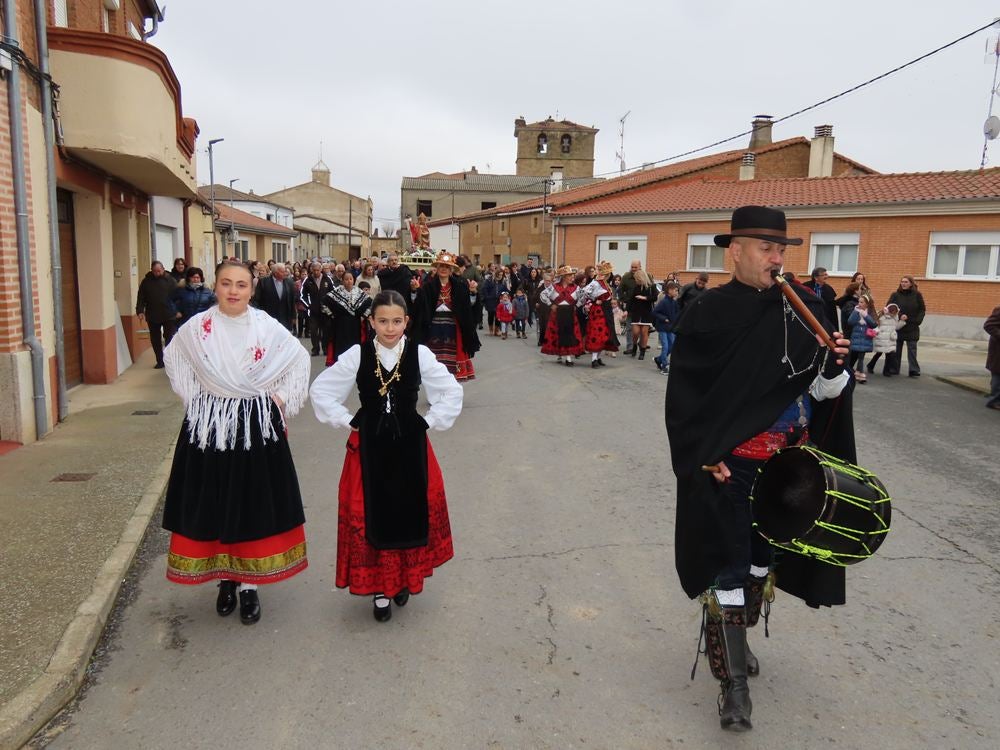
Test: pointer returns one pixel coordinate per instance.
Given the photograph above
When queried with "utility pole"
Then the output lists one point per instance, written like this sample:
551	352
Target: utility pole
545	199
350	227
232	220
211	179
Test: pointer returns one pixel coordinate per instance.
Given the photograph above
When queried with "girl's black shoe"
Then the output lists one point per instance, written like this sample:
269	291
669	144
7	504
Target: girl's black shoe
249	607
402	598
382	614
226	602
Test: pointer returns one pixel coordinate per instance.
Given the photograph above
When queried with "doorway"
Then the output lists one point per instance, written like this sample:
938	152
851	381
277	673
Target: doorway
72	339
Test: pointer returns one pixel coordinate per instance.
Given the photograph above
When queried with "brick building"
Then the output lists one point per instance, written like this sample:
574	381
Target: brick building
123	139
520	230
942	228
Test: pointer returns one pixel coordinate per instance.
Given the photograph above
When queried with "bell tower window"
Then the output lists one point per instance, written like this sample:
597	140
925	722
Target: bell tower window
565	143
543	144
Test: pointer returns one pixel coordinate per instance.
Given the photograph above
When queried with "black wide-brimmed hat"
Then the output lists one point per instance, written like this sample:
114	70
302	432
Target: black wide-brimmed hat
760	223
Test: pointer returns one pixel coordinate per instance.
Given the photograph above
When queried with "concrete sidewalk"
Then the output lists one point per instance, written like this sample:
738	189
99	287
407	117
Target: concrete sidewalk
68	544
73	509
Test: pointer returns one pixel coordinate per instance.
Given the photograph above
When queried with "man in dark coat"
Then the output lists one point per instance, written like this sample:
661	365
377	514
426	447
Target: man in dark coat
397	276
690	292
314	289
992	327
154	307
817	283
747	377
275	295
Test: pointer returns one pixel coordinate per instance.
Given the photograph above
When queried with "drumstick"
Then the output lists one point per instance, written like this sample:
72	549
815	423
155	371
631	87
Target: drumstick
803	311
711	468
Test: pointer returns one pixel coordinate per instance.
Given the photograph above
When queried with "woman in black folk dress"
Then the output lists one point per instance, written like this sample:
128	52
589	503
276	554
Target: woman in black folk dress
233	501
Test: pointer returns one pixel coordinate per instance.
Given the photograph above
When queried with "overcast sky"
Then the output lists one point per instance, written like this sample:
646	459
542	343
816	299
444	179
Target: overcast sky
392	91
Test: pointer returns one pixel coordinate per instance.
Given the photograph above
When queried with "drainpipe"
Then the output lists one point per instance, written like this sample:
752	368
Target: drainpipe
21	227
48	122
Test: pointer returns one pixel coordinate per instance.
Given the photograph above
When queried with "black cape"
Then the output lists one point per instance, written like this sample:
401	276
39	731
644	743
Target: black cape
728	383
461	305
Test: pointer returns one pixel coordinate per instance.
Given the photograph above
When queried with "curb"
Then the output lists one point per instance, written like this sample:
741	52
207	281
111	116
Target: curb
28	711
963	384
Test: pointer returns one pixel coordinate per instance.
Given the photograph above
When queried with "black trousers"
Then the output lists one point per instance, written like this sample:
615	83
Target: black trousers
519	325
160	335
745	547
319	332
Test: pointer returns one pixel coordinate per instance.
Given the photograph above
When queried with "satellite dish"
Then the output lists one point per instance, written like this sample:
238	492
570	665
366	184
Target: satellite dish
991	129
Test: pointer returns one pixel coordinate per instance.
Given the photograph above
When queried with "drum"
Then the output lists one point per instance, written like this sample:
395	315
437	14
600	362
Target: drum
811	503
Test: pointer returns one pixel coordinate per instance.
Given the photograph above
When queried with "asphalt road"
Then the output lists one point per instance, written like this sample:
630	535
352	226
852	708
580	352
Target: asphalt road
560	622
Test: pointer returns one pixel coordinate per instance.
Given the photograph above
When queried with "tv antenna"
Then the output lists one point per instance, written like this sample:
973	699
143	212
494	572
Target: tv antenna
620	154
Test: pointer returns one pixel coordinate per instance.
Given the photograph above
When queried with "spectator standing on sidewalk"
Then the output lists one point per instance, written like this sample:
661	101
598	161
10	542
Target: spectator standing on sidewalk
825	292
154	307
911	310
992	327
192	298
690	292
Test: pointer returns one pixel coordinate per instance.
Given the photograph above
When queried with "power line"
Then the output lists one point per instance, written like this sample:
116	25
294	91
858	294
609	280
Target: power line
783	118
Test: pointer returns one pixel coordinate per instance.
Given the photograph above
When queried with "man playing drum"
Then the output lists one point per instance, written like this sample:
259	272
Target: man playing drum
748	377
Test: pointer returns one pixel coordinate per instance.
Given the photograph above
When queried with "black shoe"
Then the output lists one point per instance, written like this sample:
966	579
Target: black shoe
402	598
314	353
569	363
642	353
594	364
226	602
382	614
914	374
158	366
600	362
870	368
249	607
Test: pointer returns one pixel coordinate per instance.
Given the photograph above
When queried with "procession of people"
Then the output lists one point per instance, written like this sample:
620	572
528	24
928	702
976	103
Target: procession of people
758	368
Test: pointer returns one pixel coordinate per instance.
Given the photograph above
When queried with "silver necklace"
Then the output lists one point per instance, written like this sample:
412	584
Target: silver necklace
789	312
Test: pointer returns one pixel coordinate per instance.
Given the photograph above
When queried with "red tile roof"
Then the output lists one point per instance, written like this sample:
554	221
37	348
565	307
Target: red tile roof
713	195
641	179
249	222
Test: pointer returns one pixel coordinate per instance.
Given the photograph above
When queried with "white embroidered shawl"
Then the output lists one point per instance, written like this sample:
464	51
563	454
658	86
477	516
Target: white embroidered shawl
220	384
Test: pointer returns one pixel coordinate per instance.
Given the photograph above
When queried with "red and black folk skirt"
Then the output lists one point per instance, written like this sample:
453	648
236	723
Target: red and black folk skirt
366	570
235	514
601	336
562	333
445	340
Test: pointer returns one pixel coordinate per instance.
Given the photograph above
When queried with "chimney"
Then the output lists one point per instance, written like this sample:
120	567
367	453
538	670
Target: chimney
748	166
761	135
821	152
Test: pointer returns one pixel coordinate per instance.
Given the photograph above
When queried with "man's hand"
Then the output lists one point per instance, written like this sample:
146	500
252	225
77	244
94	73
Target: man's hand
843	346
721	473
473	286
414	285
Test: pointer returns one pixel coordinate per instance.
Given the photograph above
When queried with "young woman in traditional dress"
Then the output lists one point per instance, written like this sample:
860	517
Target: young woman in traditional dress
443	320
347	306
562	334
240	374
392	528
601	336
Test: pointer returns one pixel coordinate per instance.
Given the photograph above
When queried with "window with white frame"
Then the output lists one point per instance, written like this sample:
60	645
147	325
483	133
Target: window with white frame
837	252
242	248
279	251
703	255
964	255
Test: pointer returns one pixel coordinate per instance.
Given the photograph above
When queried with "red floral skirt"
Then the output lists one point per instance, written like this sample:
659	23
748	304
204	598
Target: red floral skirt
562	334
601	336
267	560
365	570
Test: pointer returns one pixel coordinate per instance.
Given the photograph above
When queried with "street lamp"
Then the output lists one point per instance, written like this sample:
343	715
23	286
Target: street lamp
232	220
211	179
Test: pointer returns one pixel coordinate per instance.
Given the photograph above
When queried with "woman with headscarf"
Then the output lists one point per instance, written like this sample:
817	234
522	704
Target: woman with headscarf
563	338
600	336
347	306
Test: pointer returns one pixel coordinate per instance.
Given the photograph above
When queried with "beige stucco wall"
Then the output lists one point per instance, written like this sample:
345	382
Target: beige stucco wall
95	266
123	118
446	204
329	203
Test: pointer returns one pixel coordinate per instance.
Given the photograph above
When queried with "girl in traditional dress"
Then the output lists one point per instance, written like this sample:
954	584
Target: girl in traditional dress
392	528
348	306
443	320
562	334
240	374
601	336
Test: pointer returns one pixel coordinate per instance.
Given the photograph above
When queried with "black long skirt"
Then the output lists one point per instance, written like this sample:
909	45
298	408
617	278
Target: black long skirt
235	513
